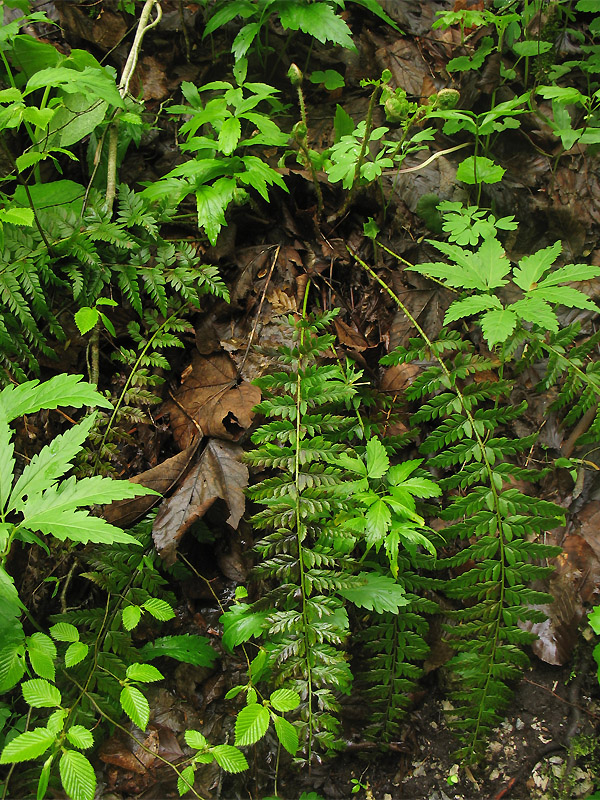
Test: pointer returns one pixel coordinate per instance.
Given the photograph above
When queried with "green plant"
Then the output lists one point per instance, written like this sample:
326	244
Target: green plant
38	504
217	176
317	19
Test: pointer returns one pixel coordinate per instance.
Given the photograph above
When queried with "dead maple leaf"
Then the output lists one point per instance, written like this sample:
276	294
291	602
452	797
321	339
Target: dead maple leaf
161	478
218	473
211	401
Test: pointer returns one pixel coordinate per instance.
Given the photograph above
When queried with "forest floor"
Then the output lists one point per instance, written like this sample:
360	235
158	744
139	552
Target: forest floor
547	747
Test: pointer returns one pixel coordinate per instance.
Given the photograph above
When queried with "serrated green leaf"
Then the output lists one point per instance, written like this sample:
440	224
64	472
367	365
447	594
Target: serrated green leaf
422	487
135	705
86	319
378	593
78	526
229	135
187	648
77	775
471	305
80	737
64	632
185	780
56	721
61	390
41	694
567	296
479	169
531	268
75	653
230	758
378	461
42	652
145	673
536	310
570	272
211	203
17	216
195	739
131	617
251	724
27	746
378	518
318	20
240	624
497	326
285	699
12	665
287	734
159	609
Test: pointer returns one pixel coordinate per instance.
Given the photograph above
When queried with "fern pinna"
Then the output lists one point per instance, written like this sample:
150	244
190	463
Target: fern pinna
493	528
307	623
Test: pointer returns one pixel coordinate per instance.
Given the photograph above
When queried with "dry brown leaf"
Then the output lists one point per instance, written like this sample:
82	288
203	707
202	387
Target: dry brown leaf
106	31
350	337
161	478
218	473
211	401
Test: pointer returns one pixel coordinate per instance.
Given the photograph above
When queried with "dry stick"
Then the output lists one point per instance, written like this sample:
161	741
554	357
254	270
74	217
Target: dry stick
113	139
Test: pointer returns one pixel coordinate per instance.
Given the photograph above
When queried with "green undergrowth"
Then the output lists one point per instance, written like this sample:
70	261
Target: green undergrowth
360	537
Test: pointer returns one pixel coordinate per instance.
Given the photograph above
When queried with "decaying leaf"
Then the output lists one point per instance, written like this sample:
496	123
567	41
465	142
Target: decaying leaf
349	336
218	473
212	401
161	478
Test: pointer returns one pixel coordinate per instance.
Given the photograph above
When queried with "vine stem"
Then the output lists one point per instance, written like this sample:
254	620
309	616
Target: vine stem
496	500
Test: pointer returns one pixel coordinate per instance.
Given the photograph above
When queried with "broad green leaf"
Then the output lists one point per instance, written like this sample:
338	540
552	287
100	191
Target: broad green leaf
72	493
258	666
145	673
90	81
185	780
421	487
531	268
212	202
77	775
378	593
17	216
463	63
230	758
64	632
492	263
159	609
251	724
75	653
229	135
131	617
536	310
61	390
240	624
287	734
400	472
378	518
318	20
471	305
594	619
48	465
343	124
227	12
12	665
78	526
378	461
567	296
285	699
135	705
244	39
77	119
479	169
187	648
330	78
86	319
497	326
41	694
56	721
42	652
534	47
570	272
47	195
195	739
80	737
27	746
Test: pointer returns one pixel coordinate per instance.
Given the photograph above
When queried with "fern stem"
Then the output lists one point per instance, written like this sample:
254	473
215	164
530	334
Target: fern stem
130	379
299	537
496	500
